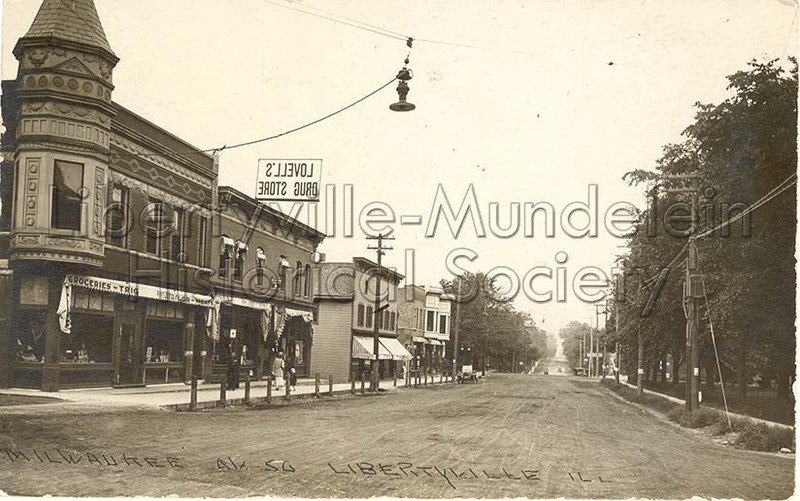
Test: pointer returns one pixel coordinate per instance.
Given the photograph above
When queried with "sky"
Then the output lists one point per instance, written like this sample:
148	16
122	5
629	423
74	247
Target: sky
522	101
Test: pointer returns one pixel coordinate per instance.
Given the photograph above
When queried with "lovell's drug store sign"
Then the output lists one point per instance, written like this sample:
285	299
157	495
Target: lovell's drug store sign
294	180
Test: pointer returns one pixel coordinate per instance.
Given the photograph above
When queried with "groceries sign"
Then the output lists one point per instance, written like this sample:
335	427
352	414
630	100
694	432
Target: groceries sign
290	179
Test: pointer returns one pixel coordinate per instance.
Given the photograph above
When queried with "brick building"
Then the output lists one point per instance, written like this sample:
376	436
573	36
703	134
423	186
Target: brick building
119	263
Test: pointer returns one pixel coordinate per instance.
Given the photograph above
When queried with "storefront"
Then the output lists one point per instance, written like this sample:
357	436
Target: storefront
391	355
238	329
109	333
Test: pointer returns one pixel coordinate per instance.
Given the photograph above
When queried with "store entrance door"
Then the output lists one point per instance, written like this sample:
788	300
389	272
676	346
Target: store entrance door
129	356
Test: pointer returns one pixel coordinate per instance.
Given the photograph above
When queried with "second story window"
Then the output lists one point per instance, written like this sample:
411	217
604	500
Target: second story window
226	245
118	210
66	204
155	226
284	267
178	231
392	321
360	316
307	281
261	262
202	245
431	325
368	318
297	283
442	324
238	262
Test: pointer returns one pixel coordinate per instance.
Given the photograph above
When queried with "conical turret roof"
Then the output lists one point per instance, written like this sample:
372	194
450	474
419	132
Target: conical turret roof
72	20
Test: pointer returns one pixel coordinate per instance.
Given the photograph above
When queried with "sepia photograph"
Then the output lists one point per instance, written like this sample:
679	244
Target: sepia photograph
352	249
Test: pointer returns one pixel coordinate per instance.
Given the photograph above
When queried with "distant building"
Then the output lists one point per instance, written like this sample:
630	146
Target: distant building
424	325
344	337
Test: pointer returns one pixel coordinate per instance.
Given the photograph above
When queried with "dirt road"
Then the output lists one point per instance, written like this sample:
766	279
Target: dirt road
508	436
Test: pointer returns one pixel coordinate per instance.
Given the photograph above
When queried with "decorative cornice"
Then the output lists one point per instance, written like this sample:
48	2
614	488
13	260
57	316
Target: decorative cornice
151	190
158	159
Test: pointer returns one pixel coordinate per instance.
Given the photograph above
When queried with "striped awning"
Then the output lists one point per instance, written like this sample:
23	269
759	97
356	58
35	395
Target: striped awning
363	348
418	339
397	350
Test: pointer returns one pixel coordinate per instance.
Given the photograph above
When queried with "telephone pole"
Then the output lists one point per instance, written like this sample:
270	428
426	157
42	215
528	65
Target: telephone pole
693	291
456	327
378	310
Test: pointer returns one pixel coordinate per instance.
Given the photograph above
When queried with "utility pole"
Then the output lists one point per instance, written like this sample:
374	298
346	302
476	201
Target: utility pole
617	365
375	383
693	291
591	349
457	328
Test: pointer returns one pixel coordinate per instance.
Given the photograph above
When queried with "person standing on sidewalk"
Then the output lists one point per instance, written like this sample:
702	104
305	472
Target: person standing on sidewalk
277	370
291	374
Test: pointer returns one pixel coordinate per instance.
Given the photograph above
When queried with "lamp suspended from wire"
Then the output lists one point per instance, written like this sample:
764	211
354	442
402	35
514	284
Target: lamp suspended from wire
403	76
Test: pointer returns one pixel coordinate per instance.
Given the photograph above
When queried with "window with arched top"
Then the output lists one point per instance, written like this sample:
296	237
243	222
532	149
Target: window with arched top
297	286
226	245
307	281
261	262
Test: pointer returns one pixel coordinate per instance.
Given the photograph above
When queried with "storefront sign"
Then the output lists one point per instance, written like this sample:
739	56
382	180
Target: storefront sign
296	180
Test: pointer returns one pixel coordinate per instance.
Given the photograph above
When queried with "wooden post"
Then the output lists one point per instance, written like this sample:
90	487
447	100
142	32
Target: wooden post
247	386
330	385
316	385
353	384
441	376
223	388
288	389
269	389
193	396
362	383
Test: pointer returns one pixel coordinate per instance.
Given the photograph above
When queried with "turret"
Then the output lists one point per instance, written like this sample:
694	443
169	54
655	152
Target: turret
58	113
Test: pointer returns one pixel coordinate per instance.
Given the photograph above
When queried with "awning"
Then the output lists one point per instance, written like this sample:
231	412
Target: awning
363	348
417	339
397	350
434	342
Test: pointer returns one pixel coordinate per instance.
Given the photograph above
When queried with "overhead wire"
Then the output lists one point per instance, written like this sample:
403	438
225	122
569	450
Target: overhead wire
713	339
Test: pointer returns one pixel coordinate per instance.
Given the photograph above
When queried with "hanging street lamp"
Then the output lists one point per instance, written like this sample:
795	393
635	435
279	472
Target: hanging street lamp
403	76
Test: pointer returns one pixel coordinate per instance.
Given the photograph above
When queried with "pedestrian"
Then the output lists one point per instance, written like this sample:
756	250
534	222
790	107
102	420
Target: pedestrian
291	374
234	366
277	370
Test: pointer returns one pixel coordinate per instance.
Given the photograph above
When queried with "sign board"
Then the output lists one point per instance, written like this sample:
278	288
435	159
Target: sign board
294	180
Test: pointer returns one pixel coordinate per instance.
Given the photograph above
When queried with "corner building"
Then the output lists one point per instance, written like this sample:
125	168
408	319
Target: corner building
115	268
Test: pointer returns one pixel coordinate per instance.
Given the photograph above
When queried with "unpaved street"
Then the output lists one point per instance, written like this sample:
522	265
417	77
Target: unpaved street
508	436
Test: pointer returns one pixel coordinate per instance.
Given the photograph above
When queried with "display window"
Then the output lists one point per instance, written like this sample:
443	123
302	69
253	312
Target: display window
163	341
90	339
30	329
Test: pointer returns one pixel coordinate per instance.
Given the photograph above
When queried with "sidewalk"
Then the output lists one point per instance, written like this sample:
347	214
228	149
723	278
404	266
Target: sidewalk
177	396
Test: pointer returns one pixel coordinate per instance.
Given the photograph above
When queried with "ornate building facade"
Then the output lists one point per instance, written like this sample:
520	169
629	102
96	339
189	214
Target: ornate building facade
121	261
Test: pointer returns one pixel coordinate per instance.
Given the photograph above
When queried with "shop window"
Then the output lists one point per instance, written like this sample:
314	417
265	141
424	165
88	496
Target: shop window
155	226
30	332
360	316
165	309
368	318
90	339
442	324
164	341
117	216
66	204
431	326
87	299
